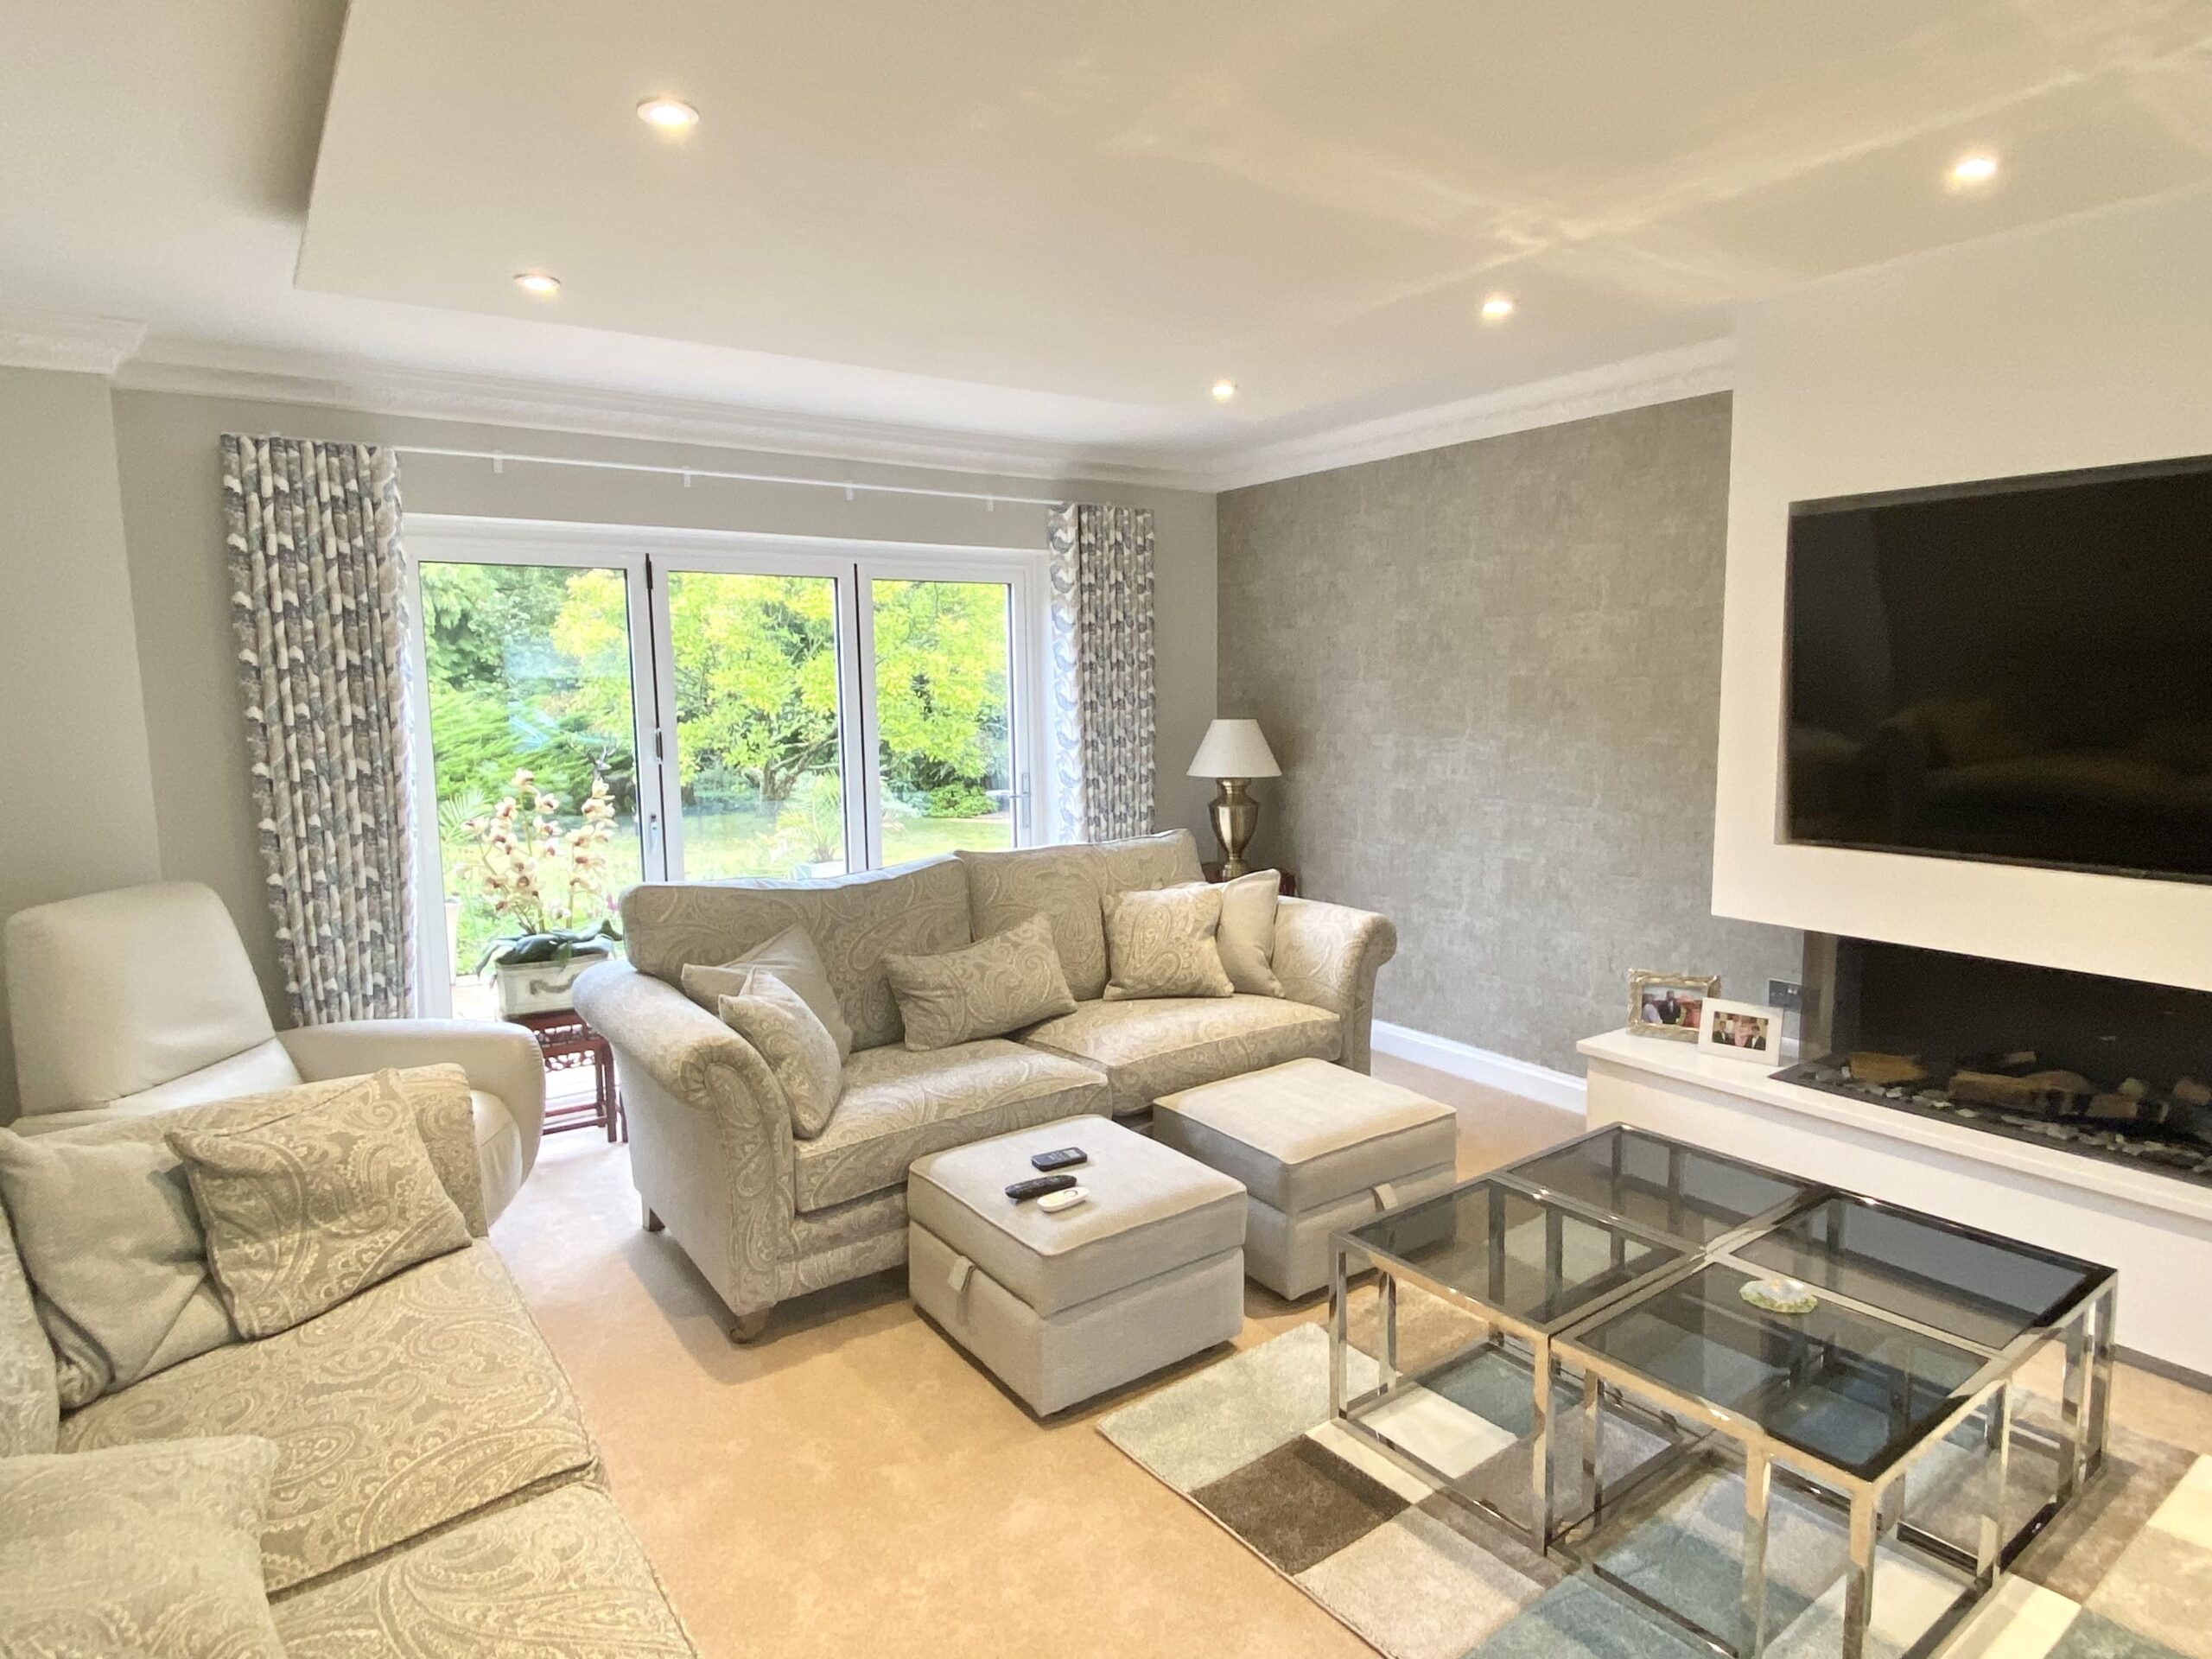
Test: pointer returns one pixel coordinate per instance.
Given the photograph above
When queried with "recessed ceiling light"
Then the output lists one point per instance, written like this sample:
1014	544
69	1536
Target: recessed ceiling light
670	114
1497	308
542	283
1973	169
1223	391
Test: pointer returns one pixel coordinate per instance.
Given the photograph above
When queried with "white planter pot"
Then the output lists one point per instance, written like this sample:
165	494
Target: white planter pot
540	986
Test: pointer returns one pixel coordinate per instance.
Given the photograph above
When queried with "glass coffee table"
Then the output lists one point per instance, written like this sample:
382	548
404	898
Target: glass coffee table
1603	1282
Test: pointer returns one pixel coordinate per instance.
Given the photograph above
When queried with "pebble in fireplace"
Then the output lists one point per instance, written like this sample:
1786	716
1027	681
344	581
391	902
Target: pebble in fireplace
2116	1069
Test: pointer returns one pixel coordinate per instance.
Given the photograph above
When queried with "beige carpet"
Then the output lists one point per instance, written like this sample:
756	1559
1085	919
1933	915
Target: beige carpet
853	1484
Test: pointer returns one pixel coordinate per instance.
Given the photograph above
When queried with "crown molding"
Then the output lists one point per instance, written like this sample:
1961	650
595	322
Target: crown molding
372	388
1658	378
72	342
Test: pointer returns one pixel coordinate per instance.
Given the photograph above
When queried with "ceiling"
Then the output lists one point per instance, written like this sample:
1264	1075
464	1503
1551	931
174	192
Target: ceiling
1055	224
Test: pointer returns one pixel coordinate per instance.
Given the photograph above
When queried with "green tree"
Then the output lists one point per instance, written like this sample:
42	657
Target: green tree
941	692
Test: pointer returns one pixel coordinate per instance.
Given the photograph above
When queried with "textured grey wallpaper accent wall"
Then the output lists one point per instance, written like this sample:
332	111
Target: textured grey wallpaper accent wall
1492	673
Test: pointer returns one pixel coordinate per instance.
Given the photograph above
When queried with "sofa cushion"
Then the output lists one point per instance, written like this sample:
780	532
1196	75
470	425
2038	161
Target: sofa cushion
854	920
30	1402
1248	931
114	1244
559	1576
898	1105
1167	860
1068	885
306	1209
793	958
1148	1048
1164	943
137	1550
998	984
790	1037
422	1400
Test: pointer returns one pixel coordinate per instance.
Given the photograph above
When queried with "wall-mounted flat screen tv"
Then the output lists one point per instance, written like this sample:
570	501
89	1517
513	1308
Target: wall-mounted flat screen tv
2018	671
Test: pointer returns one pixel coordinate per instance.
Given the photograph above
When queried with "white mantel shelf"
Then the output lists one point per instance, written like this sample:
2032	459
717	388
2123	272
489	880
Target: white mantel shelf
2154	1228
1685	1064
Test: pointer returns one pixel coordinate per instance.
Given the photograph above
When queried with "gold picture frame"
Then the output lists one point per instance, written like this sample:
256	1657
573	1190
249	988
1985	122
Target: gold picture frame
1683	995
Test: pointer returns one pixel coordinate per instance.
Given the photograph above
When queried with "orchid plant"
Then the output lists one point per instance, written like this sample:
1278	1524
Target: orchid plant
546	883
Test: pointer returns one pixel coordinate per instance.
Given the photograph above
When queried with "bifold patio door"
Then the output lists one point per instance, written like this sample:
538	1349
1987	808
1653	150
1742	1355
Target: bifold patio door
753	706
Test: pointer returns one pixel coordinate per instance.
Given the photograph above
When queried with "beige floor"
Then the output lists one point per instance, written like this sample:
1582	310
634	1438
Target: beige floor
854	1485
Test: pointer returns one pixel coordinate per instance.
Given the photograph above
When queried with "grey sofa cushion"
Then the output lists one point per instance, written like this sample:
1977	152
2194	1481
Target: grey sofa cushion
798	1048
557	1576
1151	1210
1167	860
898	1105
793	958
113	1242
854	920
305	1208
996	985
1068	885
1164	943
153	1550
1148	1048
30	1403
420	1401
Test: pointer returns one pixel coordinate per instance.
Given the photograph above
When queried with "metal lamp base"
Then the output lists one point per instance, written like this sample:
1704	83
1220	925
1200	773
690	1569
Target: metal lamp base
1236	815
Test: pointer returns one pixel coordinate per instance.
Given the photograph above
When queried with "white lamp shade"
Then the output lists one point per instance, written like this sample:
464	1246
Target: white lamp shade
1235	748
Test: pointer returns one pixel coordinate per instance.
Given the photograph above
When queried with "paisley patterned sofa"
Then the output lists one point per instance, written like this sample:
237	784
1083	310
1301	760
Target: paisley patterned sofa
765	1216
435	1493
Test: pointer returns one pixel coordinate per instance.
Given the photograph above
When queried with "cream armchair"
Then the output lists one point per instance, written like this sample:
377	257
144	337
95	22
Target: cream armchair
142	999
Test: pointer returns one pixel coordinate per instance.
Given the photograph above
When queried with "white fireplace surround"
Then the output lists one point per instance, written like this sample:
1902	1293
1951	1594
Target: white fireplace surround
2156	1229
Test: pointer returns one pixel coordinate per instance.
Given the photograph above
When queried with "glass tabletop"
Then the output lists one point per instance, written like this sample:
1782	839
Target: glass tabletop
1663	1186
1851	1388
1982	1289
1507	1250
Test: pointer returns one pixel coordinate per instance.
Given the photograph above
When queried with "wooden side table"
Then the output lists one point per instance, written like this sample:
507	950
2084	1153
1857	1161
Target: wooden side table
1212	868
568	1044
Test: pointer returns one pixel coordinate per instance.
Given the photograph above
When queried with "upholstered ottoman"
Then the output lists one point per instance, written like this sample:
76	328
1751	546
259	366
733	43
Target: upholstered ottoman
1317	1148
1062	1306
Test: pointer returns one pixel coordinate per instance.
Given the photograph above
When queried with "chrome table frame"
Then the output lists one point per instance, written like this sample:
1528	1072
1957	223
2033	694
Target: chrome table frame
1873	1502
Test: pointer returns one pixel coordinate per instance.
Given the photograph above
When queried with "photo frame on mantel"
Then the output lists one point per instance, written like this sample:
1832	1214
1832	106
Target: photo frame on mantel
1669	1005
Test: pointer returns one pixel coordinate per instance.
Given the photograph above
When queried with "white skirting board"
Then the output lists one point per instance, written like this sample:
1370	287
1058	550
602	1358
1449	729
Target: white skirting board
1537	1082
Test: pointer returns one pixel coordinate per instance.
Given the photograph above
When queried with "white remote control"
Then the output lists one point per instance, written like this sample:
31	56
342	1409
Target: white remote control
1066	1198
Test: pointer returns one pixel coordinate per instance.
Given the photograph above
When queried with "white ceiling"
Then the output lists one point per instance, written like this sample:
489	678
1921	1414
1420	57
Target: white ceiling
1058	224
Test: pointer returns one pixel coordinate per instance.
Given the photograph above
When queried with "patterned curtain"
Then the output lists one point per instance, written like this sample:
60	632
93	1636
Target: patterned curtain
1101	665
316	602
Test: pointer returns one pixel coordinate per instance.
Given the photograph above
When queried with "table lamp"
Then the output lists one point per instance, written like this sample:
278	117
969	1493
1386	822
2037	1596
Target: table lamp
1234	753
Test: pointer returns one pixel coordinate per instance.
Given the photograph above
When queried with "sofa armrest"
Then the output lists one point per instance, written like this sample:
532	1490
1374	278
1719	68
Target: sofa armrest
1328	956
500	1059
710	1136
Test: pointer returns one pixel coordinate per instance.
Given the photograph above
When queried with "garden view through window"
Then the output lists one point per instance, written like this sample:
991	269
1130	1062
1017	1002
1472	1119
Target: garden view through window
587	732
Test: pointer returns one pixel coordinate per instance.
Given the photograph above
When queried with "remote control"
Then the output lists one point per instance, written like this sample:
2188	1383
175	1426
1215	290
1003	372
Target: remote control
1037	1186
1063	1200
1065	1158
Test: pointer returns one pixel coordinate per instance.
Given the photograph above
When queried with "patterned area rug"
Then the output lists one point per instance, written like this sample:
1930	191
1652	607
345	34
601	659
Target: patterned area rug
2125	1574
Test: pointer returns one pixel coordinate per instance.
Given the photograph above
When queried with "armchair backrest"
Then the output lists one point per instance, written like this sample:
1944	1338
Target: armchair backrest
115	992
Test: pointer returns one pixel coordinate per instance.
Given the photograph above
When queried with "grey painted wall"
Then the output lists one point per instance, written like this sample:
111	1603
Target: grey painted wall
1492	673
164	454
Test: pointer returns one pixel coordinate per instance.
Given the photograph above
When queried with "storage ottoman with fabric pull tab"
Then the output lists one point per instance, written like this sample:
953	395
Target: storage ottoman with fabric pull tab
1064	1307
1318	1148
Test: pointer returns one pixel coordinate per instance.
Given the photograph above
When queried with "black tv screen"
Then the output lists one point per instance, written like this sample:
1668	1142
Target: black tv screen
2018	671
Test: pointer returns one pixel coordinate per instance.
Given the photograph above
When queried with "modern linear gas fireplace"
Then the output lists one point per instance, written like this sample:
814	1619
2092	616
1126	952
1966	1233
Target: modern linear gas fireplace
2107	1068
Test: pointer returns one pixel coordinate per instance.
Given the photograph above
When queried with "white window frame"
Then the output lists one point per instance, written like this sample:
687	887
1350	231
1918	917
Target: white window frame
646	554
